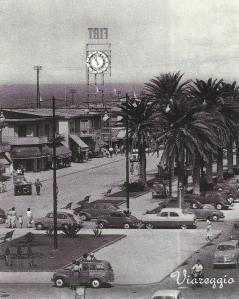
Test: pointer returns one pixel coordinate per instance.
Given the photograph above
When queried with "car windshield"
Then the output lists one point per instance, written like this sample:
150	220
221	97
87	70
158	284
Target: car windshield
225	247
208	207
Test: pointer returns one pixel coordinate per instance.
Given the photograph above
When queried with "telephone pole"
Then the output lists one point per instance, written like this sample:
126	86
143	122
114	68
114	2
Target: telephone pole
38	68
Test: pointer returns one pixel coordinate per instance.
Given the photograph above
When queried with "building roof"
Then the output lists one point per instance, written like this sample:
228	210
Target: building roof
65	113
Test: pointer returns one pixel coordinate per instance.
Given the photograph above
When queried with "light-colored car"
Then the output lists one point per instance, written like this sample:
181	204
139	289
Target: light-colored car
167	294
170	218
227	253
75	215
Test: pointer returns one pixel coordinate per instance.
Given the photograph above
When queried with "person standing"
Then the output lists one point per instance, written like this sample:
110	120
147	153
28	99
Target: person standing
38	186
74	278
8	258
111	150
20	220
209	230
8	220
29	217
13	218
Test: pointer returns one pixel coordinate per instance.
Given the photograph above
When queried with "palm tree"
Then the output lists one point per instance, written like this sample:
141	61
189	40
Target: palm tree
209	93
164	89
140	115
185	127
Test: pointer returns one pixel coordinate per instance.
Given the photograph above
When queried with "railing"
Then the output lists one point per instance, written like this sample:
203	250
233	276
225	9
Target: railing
15	140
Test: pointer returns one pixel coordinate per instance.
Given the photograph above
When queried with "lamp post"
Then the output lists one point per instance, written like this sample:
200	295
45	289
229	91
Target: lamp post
127	154
55	189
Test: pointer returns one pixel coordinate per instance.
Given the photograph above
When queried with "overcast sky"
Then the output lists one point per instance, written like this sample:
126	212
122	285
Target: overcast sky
198	37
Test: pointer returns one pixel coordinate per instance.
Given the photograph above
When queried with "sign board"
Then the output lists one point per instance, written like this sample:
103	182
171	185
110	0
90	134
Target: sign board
98	33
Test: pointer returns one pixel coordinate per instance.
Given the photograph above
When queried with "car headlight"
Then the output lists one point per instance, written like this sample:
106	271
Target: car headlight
229	257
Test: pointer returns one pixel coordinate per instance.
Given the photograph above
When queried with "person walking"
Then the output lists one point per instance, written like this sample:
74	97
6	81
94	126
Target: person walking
13	218
38	185
29	217
74	277
20	220
209	230
8	220
8	258
111	150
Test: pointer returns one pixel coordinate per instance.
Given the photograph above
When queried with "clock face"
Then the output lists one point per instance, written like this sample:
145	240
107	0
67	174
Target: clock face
97	62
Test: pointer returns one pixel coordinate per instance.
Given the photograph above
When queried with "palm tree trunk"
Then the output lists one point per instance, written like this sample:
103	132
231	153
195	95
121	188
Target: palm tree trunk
209	169
230	157
142	165
196	175
237	155
220	165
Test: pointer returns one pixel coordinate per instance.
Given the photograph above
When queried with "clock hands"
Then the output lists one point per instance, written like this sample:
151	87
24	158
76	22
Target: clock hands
95	56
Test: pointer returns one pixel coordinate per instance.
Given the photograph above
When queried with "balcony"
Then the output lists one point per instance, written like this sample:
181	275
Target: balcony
15	140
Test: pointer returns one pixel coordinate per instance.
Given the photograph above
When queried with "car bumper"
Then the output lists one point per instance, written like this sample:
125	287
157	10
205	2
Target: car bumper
231	262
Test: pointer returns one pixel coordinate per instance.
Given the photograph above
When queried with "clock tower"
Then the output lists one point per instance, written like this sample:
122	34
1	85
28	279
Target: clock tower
98	64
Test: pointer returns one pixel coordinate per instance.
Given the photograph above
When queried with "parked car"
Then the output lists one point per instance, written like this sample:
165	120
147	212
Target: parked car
75	215
227	253
170	218
234	234
64	220
203	212
118	219
94	273
95	210
218	199
167	294
232	193
3	216
159	191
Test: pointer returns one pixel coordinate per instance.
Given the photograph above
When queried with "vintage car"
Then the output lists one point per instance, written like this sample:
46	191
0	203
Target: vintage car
167	294
95	273
118	219
170	218
95	210
231	192
64	220
227	253
204	212
234	234
218	199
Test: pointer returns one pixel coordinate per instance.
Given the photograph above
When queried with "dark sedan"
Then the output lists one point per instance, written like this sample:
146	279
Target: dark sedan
118	219
204	212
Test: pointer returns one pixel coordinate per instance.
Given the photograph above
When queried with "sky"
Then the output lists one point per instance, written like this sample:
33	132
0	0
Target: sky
148	37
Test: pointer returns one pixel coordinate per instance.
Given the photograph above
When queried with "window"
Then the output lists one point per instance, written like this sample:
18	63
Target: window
116	214
50	215
173	214
164	214
61	216
22	131
96	267
85	267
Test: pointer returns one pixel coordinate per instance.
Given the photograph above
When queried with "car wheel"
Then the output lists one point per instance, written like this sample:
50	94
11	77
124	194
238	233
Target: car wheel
194	206
2	220
215	218
84	217
149	225
218	206
95	283
126	225
183	226
101	224
39	226
59	282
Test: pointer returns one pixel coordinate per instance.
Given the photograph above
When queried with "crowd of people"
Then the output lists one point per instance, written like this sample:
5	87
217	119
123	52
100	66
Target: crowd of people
13	220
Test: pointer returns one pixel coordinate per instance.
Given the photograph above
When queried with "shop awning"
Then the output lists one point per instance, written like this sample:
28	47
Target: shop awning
27	152
61	152
121	134
79	141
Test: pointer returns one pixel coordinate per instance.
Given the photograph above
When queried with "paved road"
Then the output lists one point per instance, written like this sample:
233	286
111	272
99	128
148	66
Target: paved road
72	187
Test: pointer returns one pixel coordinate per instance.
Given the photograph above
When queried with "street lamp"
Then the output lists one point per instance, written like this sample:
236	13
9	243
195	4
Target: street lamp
55	189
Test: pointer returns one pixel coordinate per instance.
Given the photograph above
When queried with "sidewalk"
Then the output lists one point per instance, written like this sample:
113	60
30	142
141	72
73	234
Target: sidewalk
143	257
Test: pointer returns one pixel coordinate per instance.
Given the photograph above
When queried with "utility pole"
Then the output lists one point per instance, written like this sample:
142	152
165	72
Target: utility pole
38	68
127	154
54	173
72	91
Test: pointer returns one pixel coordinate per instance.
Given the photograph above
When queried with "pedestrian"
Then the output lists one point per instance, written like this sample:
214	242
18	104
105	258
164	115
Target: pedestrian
8	220
209	229
111	151
85	257
4	187
91	257
38	185
13	218
29	217
74	276
8	258
20	220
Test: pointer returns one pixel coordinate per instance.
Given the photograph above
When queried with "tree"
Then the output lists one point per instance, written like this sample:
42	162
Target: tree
164	89
185	127
140	116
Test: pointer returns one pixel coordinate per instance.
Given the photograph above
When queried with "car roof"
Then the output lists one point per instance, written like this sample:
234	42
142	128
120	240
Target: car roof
166	292
171	210
230	242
